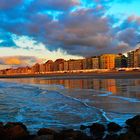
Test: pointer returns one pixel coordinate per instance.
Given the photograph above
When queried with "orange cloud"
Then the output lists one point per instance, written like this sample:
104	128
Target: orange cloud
13	61
17	61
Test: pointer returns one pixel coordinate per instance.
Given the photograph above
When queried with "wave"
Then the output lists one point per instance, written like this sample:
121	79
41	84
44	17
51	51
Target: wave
55	106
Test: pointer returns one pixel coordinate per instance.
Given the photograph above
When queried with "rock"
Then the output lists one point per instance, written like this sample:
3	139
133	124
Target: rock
46	131
111	137
83	127
134	122
129	136
44	137
1	125
97	130
69	138
31	137
16	132
137	131
11	124
113	127
3	134
73	135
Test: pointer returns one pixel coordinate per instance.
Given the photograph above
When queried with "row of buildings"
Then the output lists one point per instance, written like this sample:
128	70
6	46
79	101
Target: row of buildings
105	61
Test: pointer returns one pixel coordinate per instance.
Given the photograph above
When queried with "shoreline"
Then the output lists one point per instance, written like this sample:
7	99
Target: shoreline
101	75
97	131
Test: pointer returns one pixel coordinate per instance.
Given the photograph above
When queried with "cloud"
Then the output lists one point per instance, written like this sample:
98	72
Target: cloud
129	36
58	5
81	27
134	19
93	36
17	61
9	4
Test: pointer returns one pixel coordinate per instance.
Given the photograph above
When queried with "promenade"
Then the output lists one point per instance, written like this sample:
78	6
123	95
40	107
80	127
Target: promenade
78	75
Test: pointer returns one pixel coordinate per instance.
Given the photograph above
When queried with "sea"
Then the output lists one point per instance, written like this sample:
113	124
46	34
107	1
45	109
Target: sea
68	103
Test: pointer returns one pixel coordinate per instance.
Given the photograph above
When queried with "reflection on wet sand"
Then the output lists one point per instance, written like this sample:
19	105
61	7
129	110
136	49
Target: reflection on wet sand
117	99
121	87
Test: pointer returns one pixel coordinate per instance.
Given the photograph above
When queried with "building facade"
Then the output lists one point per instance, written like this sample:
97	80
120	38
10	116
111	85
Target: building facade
95	63
107	61
130	61
49	66
35	69
57	63
87	63
137	58
75	64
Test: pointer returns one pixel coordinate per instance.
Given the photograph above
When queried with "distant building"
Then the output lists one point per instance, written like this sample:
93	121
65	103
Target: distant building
66	65
61	66
35	69
137	58
42	68
124	60
107	61
120	61
130	61
87	63
49	65
75	64
95	63
57	64
2	72
84	64
27	70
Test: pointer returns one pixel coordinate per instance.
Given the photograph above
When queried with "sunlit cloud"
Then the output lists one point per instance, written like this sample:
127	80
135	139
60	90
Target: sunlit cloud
69	29
18	61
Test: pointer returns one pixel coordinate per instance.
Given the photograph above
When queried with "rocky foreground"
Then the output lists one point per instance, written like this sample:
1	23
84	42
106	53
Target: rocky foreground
113	131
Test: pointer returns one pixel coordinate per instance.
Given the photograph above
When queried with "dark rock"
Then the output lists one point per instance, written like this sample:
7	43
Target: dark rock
137	131
69	138
113	127
1	125
46	131
11	124
44	137
111	137
16	132
31	137
83	127
134	122
74	135
97	128
129	136
3	134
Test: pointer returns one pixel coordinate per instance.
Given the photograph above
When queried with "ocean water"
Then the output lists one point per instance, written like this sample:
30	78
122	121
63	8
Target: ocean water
42	102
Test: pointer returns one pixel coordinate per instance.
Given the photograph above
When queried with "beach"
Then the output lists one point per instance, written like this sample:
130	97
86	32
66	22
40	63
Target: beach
71	102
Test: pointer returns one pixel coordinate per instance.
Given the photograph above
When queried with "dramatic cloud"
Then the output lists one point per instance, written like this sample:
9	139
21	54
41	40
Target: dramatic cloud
78	27
18	60
128	35
56	5
134	19
9	4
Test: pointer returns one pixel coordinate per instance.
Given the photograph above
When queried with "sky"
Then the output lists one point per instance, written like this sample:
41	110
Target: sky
34	31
